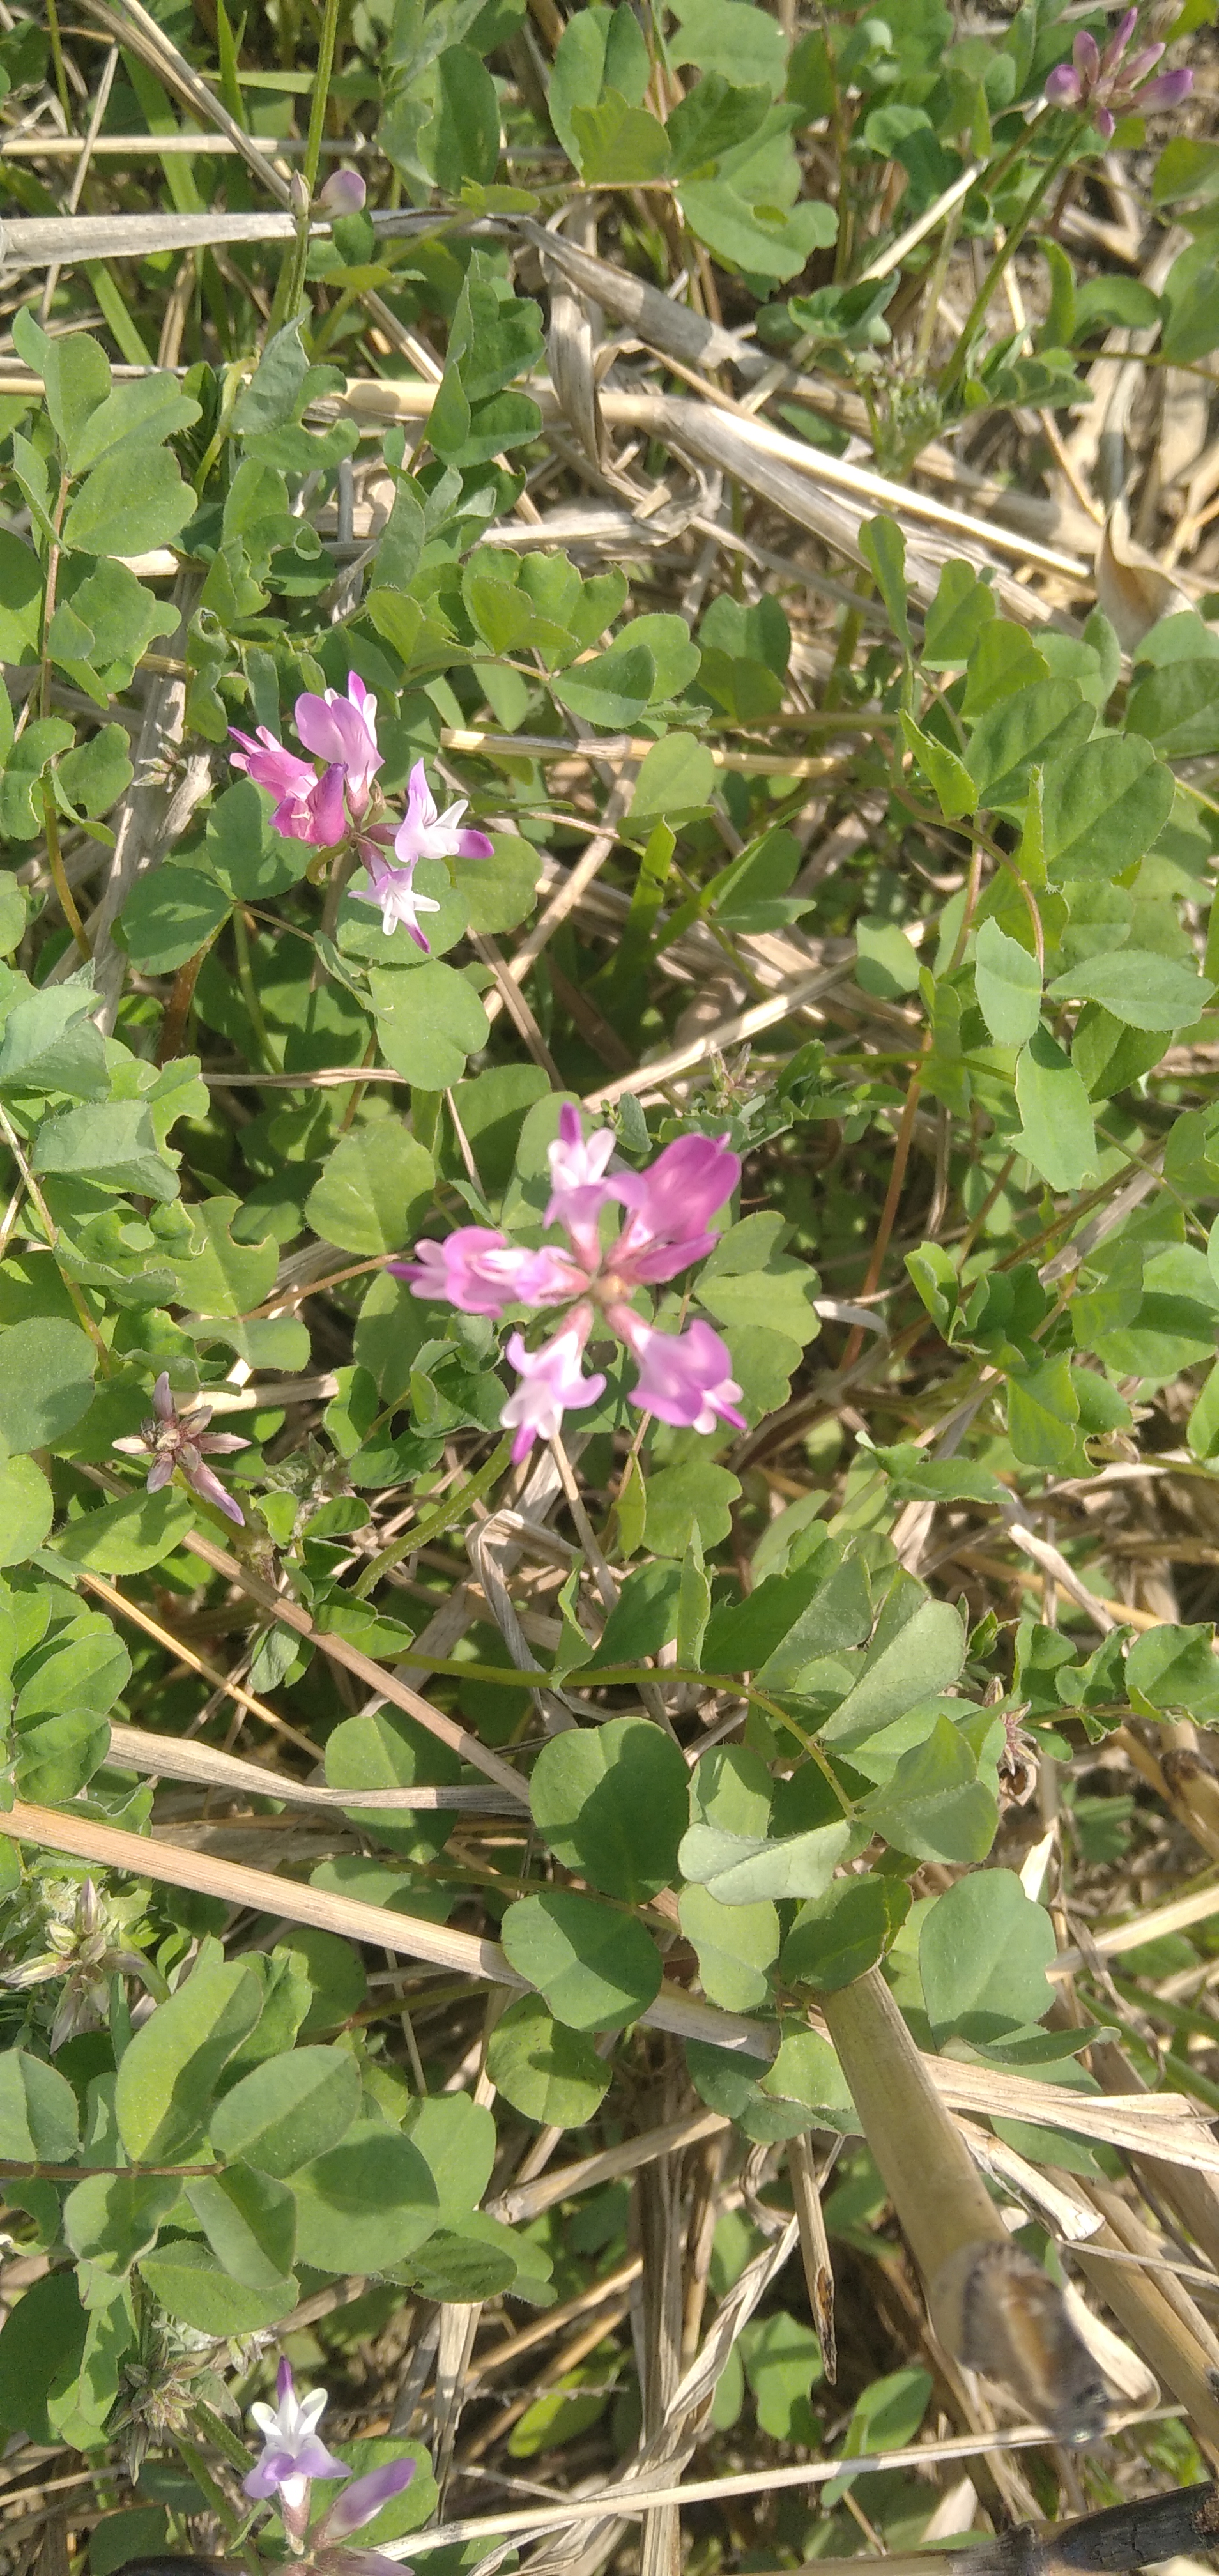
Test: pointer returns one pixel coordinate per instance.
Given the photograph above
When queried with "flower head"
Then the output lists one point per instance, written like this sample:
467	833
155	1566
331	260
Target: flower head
425	834
1114	83
308	808
683	1378
344	193
181	1441
291	2453
551	1383
343	732
394	889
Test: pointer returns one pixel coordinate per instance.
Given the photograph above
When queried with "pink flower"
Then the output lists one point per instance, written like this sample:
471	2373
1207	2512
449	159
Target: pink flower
551	1384
344	193
394	889
684	1378
343	732
425	834
671	1206
180	1441
1108	85
291	2453
481	1273
308	808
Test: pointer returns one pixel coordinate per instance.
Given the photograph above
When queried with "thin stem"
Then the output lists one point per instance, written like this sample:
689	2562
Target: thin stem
956	365
59	879
59	876
177	1008
313	154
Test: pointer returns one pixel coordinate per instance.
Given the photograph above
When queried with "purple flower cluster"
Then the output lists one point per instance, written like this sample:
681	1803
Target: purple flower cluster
340	805
684	1378
182	1441
292	2455
1114	83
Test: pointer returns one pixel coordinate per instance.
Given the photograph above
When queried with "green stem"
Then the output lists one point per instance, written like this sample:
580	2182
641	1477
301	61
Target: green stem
976	315
313	154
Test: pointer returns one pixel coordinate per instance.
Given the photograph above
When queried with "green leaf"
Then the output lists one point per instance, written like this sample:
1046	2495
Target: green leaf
726	36
365	2203
782	2358
806	2070
428	1021
134	500
613	1804
736	1946
547	2072
619	146
1057	1133
596	1969
386	1750
1004	661
112	1143
167	2079
712	119
373	1189
466	144
948	775
250	2223
764	240
920	1660
46	1381
39	2119
1177	708
171	914
598	47
456	2138
695	1492
1137	986
41	2344
1045	718
109	2219
845	1932
935	1806
741	1869
612	689
1191	293
1174	1669
51	1043
962	606
1008	983
20	599
130	1536
1104	807
140	414
27	1509
189	2283
1042	1409
884	549
984	1949
289	2110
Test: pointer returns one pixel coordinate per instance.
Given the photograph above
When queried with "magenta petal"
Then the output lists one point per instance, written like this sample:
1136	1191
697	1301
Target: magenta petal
1085	54
362	2501
162	1401
1103	122
1063	88
210	1490
159	1473
474	845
